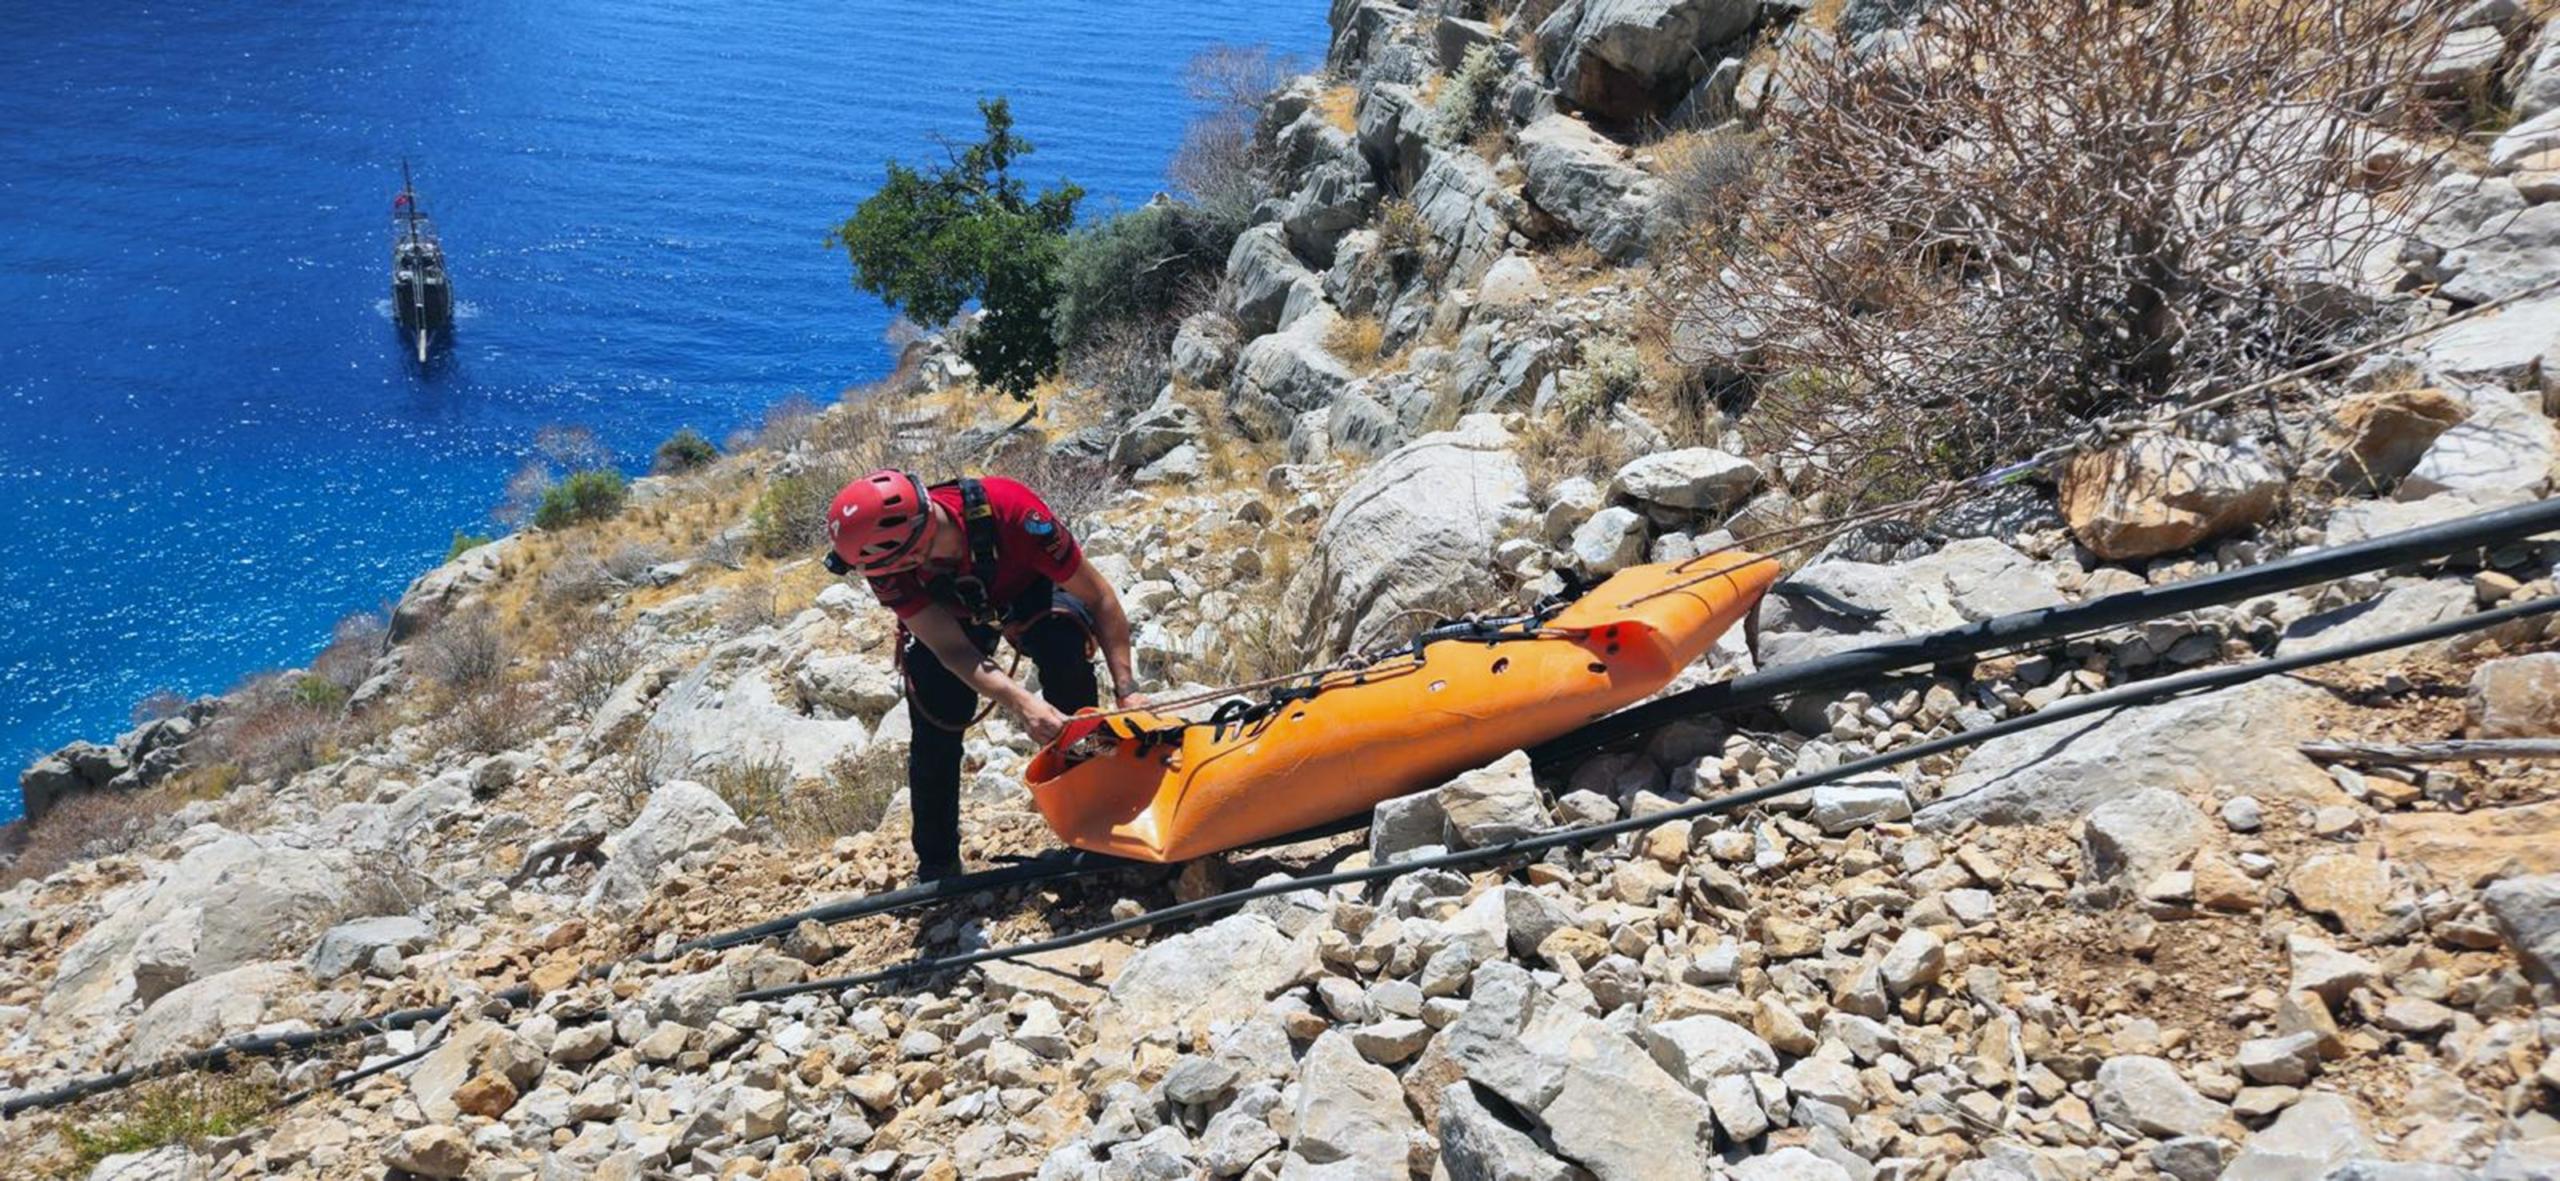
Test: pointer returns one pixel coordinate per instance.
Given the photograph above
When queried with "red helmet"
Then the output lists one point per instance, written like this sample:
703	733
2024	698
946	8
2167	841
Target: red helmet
878	519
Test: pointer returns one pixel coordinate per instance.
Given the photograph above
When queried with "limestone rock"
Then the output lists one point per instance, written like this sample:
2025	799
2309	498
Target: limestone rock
727	710
1494	803
348	947
1697	1050
1483	1139
1604	1104
1221	972
1579	177
2516	697
1286	373
1204	350
1612	540
2159	493
2528	914
1351	1116
2370	439
2504	446
2146	1095
438	1150
1693	478
2140	836
1414	534
2239	736
1840	807
681	817
1634	59
2475	846
2318	1133
209	1010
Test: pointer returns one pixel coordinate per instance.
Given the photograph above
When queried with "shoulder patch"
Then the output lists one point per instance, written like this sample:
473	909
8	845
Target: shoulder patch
1038	524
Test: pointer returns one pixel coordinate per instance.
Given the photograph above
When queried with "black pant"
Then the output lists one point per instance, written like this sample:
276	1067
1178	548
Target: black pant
937	702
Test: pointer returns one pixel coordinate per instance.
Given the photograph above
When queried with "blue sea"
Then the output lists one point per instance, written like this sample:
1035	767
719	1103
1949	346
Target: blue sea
211	444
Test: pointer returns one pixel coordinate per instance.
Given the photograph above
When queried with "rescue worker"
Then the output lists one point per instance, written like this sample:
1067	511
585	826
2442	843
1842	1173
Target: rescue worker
962	563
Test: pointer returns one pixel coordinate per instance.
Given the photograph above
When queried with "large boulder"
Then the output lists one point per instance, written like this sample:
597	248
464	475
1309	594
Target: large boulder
681	817
2508	257
1284	374
2506	445
1482	1139
2528	914
2145	1095
1693	479
1467	211
211	1009
1413	535
2243	736
852	684
1498	370
350	947
726	712
2369	440
1629	60
1579	177
1204	349
2516	697
1351	1116
1603	1103
1261	271
229	901
1331	200
2318	1133
2160	493
2509	346
448	587
1219	973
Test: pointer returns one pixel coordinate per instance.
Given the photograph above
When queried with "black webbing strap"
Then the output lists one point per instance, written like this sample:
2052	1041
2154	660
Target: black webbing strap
972	592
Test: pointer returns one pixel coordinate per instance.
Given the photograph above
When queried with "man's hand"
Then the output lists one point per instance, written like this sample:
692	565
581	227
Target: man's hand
1042	720
1130	701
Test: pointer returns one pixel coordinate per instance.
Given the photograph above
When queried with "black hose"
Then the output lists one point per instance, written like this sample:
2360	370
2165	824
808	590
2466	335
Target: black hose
2061	711
1845	668
1867	664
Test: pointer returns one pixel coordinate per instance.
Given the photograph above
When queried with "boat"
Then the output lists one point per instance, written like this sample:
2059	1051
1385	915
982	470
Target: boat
1143	785
421	292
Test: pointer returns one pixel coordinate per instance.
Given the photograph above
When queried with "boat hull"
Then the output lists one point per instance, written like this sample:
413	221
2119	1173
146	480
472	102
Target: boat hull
1399	727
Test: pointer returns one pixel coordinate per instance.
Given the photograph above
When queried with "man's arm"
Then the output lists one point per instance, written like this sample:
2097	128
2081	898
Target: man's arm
1111	628
950	644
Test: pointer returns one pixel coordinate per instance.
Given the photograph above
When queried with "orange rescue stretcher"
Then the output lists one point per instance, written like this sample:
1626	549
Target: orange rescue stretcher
1159	788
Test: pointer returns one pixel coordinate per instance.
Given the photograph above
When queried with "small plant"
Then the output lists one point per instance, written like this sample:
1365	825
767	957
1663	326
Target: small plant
1357	339
1466	100
186	1109
318	693
683	451
1611	372
596	656
83	827
1400	228
756	789
854	795
590	495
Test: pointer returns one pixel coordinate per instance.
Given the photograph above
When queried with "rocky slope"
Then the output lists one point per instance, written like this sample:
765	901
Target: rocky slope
2162	943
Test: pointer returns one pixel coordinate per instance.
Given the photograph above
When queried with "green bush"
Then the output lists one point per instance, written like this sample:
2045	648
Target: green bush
684	451
464	543
591	495
319	692
790	518
1466	99
1132	266
1611	372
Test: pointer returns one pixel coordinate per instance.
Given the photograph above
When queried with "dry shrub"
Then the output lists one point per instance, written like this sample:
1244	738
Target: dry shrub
749	606
597	654
464	652
1127	358
1358	340
648	760
495	718
353	646
85	826
854	795
2040	212
757	789
272	726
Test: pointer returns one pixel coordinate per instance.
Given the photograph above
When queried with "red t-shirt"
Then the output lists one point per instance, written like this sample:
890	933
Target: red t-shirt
1031	544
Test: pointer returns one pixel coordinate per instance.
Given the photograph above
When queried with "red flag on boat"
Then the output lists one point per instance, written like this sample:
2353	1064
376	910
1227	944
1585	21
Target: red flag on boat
400	202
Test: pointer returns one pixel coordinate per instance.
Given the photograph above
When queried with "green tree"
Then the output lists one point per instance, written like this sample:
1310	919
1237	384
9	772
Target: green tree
930	243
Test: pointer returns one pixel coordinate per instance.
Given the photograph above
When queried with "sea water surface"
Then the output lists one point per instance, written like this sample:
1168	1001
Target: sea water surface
211	444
